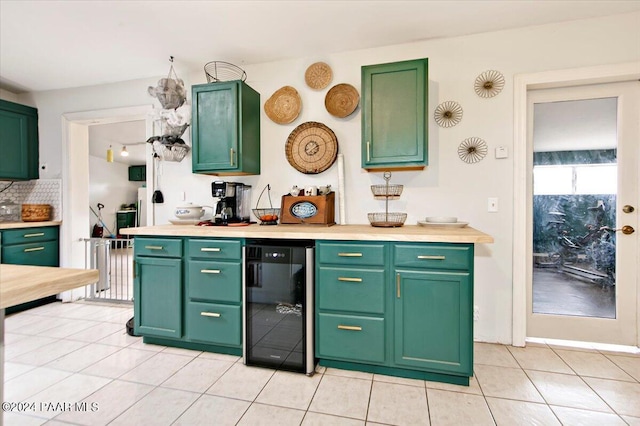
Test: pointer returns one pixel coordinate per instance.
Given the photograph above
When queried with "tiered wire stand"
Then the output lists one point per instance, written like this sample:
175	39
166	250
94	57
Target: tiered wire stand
387	192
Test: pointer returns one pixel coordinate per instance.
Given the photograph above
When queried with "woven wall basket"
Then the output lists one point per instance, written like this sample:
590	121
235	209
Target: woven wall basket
318	75
284	105
342	100
311	148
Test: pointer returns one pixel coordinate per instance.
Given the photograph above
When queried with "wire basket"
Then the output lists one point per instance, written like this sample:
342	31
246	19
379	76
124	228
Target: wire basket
171	152
217	71
268	215
387	220
383	191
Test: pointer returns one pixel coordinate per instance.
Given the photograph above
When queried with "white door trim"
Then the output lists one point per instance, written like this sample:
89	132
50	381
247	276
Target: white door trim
522	159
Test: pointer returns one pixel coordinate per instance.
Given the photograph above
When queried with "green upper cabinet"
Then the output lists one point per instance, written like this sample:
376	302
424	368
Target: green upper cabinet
394	121
225	129
18	141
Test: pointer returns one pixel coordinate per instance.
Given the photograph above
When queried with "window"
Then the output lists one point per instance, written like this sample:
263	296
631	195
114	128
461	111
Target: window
575	179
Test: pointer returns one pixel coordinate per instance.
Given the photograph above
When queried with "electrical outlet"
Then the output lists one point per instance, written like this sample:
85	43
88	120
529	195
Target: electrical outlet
476	313
492	205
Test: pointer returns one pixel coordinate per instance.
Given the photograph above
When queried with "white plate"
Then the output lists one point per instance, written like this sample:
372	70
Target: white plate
444	224
441	219
185	221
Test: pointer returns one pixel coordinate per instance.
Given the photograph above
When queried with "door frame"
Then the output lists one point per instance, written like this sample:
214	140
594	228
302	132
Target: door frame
522	166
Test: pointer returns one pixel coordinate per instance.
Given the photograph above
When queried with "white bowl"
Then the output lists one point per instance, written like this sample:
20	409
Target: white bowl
441	219
188	211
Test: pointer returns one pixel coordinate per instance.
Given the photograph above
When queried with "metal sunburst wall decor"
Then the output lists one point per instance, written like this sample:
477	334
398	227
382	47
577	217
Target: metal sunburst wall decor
472	150
489	84
448	114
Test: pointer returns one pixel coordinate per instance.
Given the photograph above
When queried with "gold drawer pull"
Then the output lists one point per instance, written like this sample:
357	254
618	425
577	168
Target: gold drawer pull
33	249
398	286
37	234
153	247
350	254
350	327
432	257
210	271
210	314
231	156
216	249
368	151
350	280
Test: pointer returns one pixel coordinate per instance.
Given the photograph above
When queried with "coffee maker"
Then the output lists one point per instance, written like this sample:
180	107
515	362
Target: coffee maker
234	199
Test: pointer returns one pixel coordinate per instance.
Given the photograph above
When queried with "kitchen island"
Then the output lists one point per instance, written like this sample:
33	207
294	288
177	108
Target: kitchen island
395	301
22	283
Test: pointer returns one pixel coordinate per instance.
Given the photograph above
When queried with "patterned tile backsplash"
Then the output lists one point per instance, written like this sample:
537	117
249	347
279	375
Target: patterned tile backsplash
41	191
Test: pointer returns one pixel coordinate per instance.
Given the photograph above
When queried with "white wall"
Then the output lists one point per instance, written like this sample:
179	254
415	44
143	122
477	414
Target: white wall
109	184
447	186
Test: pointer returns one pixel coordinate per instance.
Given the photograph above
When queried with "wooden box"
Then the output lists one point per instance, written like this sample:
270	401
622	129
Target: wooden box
313	210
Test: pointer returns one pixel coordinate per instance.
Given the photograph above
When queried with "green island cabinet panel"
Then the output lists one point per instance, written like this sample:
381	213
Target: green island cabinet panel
225	129
19	141
394	121
30	246
137	173
432	324
158	296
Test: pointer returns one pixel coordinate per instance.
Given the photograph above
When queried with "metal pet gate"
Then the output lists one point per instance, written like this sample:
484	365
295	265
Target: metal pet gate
113	258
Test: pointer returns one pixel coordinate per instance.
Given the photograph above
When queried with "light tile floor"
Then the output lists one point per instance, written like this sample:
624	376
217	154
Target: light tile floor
79	353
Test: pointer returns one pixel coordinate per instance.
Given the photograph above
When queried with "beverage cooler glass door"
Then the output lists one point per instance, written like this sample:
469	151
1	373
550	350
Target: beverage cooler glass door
278	305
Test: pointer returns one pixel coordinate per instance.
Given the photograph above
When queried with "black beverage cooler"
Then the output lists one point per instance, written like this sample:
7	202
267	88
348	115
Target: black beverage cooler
278	305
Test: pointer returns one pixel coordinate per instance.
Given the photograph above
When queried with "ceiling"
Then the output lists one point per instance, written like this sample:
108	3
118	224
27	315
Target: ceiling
46	45
131	134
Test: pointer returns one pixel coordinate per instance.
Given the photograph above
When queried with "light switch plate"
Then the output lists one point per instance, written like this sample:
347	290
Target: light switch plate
492	205
502	152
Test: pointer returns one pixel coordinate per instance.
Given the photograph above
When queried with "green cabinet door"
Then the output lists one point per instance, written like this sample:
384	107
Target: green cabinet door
19	141
394	122
225	129
158	297
433	321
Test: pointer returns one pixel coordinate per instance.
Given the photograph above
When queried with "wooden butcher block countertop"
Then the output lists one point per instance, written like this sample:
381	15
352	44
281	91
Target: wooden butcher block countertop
407	233
22	283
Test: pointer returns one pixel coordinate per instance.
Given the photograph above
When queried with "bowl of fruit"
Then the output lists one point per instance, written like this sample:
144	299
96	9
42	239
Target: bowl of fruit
267	216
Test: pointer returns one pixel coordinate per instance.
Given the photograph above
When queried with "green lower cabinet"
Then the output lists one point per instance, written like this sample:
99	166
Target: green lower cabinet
214	281
214	323
158	297
351	337
432	324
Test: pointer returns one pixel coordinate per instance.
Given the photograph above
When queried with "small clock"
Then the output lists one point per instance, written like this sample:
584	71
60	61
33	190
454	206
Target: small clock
311	148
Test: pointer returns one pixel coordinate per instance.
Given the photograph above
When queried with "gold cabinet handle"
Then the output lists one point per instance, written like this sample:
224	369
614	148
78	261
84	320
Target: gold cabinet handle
350	327
398	286
368	151
210	314
37	234
231	155
210	271
350	280
33	249
350	254
216	249
153	247
626	230
432	257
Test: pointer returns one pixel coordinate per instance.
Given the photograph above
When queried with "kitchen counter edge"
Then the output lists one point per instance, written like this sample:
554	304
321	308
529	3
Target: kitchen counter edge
18	225
407	233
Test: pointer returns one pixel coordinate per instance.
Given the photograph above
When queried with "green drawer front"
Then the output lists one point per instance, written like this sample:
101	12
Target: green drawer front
215	281
161	247
351	289
216	249
38	254
433	256
29	235
351	254
212	323
350	337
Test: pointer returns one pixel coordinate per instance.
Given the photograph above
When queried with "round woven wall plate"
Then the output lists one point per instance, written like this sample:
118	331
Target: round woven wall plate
318	75
311	148
342	100
284	105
